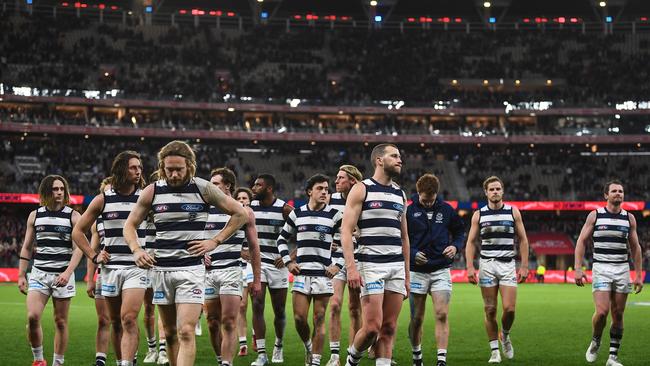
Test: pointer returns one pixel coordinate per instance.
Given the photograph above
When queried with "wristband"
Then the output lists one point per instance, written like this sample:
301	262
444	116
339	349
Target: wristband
95	258
25	259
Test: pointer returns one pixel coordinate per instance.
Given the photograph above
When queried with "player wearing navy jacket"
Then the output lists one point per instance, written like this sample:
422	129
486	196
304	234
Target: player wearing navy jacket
436	234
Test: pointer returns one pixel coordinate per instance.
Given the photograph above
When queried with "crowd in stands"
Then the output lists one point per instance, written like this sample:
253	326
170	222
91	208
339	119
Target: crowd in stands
12	232
339	66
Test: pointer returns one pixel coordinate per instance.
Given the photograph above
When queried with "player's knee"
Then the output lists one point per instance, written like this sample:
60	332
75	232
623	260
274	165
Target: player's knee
319	319
213	323
33	318
186	332
335	305
490	311
355	312
129	320
60	323
441	316
601	312
388	329
229	323
103	321
299	319
372	328
509	310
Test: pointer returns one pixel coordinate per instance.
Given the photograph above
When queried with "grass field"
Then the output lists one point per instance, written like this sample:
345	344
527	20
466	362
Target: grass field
553	327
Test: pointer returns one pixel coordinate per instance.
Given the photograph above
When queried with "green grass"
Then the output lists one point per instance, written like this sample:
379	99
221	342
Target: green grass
553	327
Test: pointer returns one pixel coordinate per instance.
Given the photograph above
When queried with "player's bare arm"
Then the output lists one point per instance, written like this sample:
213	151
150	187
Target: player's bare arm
585	234
254	252
637	255
470	248
520	232
353	207
139	214
86	221
26	252
238	217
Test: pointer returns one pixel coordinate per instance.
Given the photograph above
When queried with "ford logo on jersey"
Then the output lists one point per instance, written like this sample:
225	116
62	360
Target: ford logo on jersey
192	207
276	222
398	206
61	229
161	208
417	214
375	204
322	229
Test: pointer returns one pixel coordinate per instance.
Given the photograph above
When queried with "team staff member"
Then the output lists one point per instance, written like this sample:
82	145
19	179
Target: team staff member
436	234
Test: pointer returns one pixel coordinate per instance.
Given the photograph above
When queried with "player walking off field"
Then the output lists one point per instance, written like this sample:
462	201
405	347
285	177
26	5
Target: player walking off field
377	207
613	231
50	227
180	203
497	224
431	224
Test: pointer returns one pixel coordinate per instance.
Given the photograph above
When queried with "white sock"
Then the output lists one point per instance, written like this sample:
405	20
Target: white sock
127	363
442	354
417	352
278	342
494	345
58	360
315	360
38	353
261	345
382	362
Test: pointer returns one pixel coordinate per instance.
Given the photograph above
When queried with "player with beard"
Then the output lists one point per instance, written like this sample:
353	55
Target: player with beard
613	231
497	224
223	288
270	216
123	283
55	260
377	207
347	177
180	202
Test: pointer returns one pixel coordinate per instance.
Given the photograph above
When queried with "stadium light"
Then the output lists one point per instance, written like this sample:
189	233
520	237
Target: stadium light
264	15
378	18
549	82
373	3
454	82
485	82
260	1
608	19
487	4
492	20
602	4
148	9
517	82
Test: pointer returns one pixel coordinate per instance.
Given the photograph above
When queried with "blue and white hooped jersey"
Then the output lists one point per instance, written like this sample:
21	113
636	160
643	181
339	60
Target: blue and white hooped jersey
114	214
610	236
497	230
380	224
228	253
53	239
337	202
314	232
269	222
180	215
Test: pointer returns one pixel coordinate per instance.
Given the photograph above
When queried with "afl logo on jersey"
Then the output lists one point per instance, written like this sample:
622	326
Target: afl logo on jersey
210	226
602	227
375	204
112	215
192	207
302	228
161	208
40	228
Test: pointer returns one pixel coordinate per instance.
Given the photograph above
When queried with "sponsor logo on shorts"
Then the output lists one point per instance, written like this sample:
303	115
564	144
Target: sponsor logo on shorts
375	204
599	285
70	287
161	208
197	291
143	279
486	281
210	291
35	284
112	215
159	294
284	280
108	288
192	207
298	284
377	285
417	214
416	285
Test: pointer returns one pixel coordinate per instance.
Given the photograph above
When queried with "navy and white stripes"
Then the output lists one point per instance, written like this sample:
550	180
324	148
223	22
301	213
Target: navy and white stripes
269	222
380	223
497	230
180	215
114	214
314	232
610	236
53	239
228	253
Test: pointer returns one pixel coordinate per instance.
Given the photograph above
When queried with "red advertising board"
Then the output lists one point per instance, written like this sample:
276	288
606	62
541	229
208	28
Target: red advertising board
33	198
8	274
571	205
551	243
